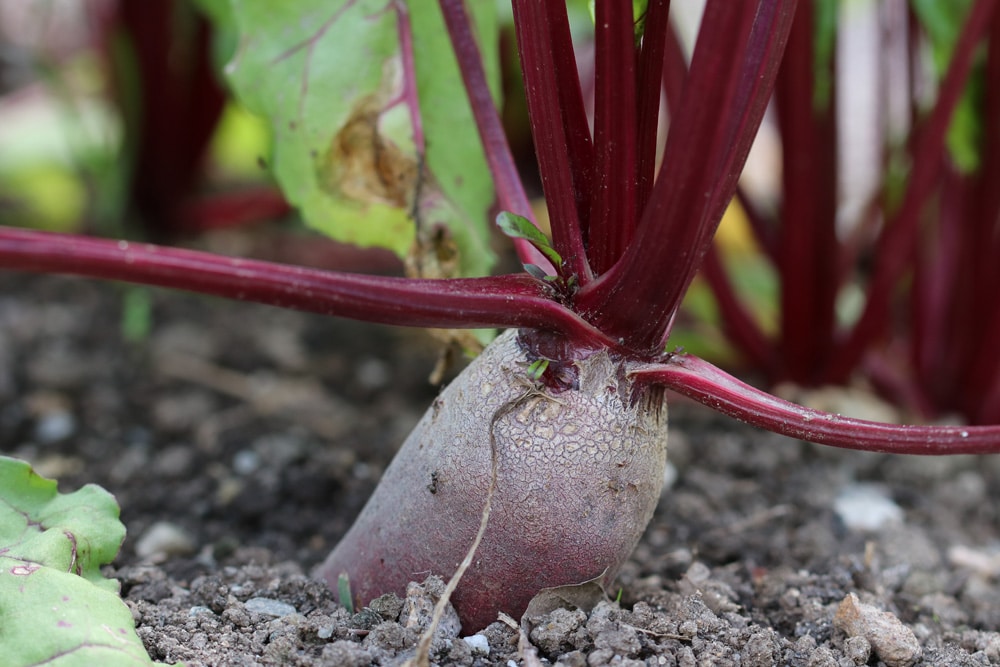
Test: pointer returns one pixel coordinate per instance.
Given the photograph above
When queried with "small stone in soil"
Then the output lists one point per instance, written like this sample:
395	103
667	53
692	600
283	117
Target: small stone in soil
418	608
246	462
387	606
479	644
894	643
269	607
866	507
54	426
164	539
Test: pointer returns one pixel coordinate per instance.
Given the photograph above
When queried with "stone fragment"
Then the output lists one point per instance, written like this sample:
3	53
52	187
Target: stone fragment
479	644
164	539
893	643
269	607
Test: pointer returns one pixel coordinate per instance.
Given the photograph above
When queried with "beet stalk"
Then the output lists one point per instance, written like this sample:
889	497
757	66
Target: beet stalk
578	475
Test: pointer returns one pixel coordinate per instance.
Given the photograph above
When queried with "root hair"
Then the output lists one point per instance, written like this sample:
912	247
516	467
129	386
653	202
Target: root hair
422	656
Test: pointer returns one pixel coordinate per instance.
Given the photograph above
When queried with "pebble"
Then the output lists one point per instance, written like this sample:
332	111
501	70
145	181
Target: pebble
174	461
269	607
53	416
246	462
992	649
866	507
54	426
985	563
418	608
479	644
893	643
164	539
57	466
362	471
372	373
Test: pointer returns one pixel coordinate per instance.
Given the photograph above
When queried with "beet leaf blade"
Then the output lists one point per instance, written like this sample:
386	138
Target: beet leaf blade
374	145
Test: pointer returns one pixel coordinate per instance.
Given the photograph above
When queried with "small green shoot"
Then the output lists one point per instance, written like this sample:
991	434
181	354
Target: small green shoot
344	592
537	369
518	227
137	314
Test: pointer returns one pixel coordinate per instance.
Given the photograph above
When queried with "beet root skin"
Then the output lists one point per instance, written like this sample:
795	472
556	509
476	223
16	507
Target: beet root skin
578	475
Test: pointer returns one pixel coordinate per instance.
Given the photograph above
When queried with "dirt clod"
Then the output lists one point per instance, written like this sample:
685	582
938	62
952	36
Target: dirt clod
560	631
869	628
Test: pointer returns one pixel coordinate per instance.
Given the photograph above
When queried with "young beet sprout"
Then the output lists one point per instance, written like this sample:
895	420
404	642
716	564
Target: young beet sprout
547	453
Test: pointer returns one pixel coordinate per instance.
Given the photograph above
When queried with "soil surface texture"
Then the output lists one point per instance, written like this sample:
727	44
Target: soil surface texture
241	440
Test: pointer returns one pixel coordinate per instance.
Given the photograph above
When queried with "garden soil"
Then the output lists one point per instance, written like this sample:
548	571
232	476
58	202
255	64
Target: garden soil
241	440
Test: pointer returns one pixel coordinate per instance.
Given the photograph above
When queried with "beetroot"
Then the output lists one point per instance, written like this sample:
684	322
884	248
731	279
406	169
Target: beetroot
578	475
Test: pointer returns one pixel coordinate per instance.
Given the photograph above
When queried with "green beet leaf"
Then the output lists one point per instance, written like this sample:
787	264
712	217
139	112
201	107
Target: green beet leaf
374	147
55	606
518	227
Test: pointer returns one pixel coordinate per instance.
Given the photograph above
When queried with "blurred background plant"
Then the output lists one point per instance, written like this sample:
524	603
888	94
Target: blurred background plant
868	254
860	251
114	122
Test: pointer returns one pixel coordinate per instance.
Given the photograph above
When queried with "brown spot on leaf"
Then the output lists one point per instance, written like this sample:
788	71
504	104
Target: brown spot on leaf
434	254
364	166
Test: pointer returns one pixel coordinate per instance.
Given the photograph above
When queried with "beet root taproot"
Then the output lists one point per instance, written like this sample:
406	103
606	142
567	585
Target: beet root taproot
578	474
